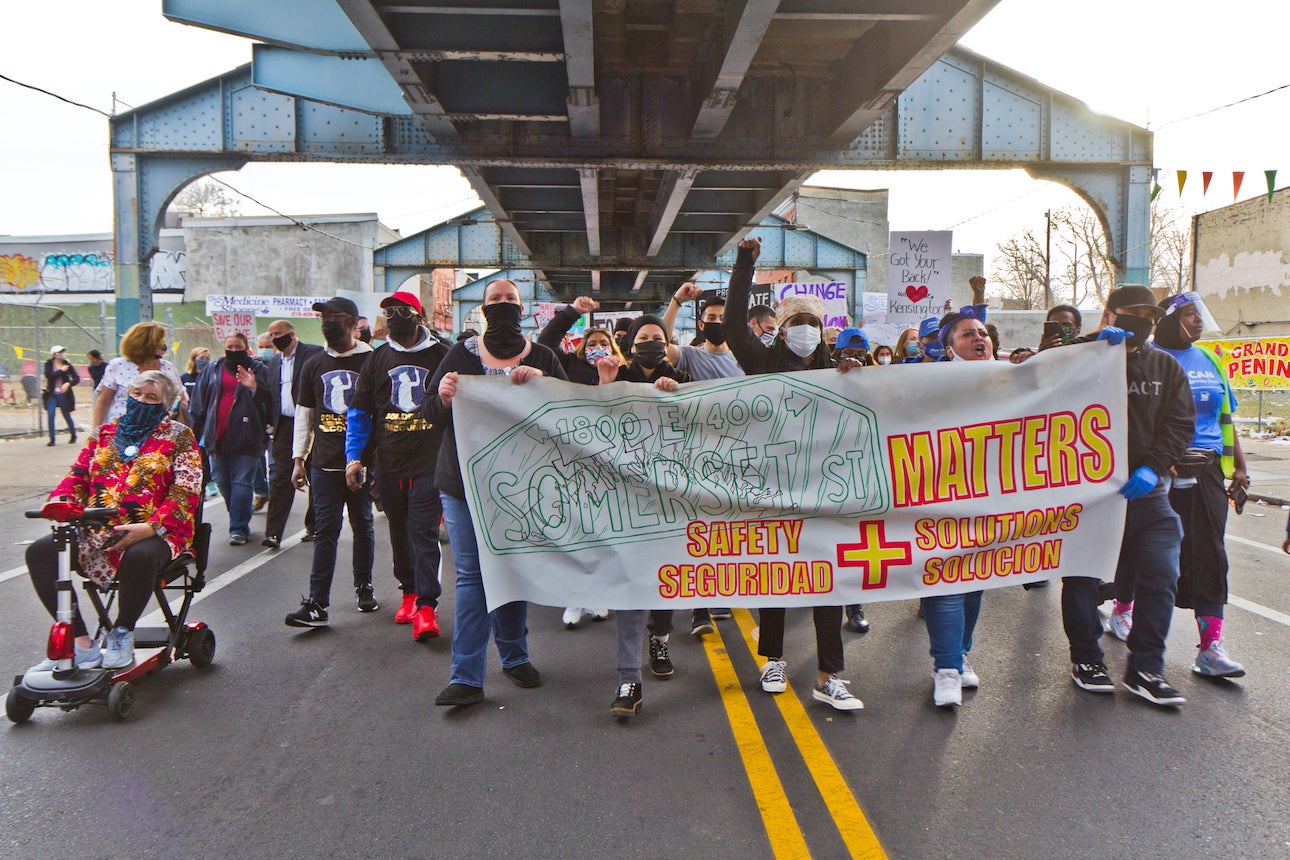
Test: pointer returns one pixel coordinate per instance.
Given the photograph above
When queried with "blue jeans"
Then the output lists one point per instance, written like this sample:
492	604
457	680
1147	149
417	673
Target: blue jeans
413	509
1148	569
332	496
59	402
260	486
473	621
951	620
233	474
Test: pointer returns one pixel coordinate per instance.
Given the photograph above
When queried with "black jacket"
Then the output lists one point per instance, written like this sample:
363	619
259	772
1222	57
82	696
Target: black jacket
304	351
552	336
245	432
753	355
1162	413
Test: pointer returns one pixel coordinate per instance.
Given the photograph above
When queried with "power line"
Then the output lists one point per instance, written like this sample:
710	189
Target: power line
55	95
301	224
1224	107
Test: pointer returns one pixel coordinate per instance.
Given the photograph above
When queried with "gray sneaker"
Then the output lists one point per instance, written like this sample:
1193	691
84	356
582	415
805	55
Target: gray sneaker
118	652
1213	662
86	658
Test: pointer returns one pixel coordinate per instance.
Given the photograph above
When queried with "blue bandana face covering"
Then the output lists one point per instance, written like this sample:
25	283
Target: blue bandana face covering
138	422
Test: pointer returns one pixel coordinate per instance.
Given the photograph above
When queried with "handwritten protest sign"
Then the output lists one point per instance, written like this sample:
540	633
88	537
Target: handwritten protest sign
918	275
797	489
233	323
1260	364
833	294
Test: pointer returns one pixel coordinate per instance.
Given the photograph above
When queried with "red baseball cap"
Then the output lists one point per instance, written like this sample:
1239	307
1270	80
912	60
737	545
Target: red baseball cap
403	297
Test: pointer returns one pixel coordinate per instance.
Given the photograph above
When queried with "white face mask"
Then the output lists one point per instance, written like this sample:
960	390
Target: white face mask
884	359
802	339
767	337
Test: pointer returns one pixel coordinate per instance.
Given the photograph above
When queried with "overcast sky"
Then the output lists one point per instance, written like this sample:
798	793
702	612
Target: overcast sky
1150	62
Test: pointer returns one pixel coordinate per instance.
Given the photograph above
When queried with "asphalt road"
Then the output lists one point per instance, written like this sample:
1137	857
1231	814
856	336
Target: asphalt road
327	743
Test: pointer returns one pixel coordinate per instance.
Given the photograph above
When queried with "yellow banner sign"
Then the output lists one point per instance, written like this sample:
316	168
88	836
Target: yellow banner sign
1261	363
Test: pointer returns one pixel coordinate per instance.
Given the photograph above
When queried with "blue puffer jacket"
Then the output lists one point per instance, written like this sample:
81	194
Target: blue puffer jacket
246	430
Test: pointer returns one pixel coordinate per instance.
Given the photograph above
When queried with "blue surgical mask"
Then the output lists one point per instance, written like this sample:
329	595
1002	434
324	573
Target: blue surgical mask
265	354
201	364
767	338
935	350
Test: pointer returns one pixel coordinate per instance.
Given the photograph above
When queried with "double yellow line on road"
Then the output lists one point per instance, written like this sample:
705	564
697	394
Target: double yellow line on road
768	790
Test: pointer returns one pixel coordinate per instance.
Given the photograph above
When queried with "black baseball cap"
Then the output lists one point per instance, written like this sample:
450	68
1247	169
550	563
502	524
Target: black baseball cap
337	305
1133	296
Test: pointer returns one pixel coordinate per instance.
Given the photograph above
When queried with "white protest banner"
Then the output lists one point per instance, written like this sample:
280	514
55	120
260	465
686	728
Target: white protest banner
918	275
233	323
264	306
797	489
546	312
832	293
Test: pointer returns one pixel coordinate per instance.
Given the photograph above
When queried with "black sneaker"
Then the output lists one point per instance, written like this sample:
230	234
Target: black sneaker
1154	688
271	542
310	614
628	702
366	602
309	537
1092	677
856	622
660	665
722	614
701	623
524	675
456	695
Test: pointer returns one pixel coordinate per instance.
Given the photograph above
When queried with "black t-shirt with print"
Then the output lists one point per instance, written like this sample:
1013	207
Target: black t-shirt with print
327	386
391	386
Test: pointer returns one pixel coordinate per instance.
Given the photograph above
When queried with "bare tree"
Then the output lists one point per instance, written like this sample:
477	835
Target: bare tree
206	198
1170	249
1019	270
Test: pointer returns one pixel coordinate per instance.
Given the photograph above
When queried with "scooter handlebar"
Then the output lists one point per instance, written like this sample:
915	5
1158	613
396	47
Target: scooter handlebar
85	514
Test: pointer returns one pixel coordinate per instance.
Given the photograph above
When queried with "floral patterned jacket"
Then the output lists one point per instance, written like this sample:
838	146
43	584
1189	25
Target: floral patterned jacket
161	485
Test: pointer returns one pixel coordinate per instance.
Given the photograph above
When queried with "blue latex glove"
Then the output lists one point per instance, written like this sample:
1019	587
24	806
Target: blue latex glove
1114	336
1142	481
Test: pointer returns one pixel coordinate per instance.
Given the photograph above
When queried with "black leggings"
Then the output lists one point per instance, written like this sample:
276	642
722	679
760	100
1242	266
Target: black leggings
135	576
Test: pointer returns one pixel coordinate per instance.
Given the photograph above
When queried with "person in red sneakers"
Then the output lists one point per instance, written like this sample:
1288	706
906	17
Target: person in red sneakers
387	431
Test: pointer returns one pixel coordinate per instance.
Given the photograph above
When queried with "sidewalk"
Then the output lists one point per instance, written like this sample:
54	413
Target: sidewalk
1268	464
31	469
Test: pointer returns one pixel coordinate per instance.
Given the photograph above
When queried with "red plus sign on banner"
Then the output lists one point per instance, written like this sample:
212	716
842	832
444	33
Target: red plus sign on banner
873	553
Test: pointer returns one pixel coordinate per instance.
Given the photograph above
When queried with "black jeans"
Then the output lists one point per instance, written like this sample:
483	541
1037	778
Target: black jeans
413	509
135	577
1147	569
281	493
828	636
331	497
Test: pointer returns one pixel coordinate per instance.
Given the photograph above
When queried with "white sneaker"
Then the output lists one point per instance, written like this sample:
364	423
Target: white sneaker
948	689
834	692
572	616
1120	625
773	678
969	676
598	614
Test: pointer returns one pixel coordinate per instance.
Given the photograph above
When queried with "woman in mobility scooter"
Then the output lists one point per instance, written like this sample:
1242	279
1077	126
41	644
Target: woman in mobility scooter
148	468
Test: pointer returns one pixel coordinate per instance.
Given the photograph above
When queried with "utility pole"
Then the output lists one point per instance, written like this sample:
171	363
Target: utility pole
1048	265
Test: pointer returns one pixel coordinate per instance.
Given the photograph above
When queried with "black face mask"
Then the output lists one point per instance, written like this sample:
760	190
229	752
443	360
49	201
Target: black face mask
333	332
283	342
650	353
365	335
503	336
714	333
403	328
1137	328
235	358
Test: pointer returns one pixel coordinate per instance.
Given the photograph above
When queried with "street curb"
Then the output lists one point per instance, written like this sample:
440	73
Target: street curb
1271	500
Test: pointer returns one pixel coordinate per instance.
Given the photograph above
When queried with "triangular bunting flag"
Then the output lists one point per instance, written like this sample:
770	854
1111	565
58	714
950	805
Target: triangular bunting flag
1182	180
1155	189
1272	179
1237	176
1205	177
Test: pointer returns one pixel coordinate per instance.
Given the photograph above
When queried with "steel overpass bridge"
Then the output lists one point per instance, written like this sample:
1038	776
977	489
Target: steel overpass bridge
617	146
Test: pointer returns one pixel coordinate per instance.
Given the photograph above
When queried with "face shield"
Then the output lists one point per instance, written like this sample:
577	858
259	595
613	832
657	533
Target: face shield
1192	301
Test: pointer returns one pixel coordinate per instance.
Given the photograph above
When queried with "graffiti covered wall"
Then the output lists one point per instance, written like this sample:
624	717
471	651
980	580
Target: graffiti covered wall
82	264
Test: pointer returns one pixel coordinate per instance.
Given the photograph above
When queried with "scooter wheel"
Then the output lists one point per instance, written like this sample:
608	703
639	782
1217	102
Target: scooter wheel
120	701
17	708
201	647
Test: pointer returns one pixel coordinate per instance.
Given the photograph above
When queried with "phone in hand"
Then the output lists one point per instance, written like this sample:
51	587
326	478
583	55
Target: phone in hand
1239	497
1062	331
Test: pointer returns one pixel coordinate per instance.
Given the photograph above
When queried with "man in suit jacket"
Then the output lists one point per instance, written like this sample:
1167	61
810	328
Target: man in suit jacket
284	376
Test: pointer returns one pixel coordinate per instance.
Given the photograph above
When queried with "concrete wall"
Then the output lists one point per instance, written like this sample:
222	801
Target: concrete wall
74	268
854	218
1242	265
275	257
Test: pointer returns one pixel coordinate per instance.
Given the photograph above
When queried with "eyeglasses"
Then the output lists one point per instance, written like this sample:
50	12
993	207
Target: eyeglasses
400	311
